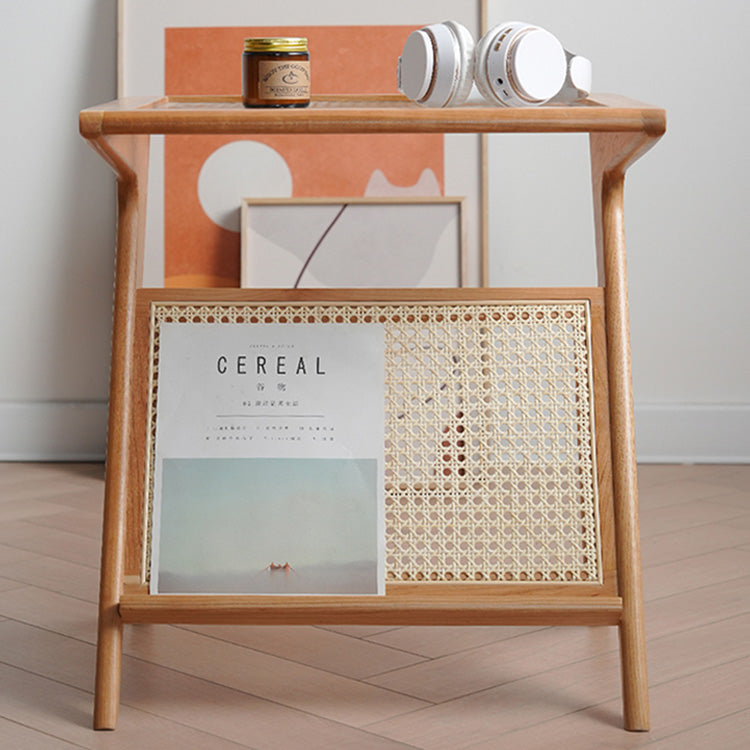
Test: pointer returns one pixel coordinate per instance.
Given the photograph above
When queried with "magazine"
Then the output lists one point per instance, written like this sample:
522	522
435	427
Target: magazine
268	459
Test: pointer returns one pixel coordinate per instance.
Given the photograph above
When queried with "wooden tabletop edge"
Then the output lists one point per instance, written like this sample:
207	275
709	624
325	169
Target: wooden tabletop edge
355	112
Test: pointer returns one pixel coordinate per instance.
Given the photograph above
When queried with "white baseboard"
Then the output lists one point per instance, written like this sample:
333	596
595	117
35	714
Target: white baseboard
53	430
692	433
676	433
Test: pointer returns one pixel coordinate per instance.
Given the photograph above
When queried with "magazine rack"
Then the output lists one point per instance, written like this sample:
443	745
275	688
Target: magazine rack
620	132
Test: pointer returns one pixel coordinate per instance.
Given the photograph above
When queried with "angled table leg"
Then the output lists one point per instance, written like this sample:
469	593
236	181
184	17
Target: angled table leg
611	154
128	156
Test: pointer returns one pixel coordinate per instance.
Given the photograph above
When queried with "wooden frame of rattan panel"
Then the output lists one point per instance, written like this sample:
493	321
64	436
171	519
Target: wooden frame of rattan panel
530	513
620	132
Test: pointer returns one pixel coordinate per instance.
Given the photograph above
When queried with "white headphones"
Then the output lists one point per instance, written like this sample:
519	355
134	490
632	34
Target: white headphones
515	64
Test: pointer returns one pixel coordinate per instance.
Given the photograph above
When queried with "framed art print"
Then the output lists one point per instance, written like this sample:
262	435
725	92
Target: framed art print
319	242
180	47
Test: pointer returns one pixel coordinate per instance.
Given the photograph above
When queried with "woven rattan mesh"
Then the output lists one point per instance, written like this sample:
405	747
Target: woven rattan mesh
490	472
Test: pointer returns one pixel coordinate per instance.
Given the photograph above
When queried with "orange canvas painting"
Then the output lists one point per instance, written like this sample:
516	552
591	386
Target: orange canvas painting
206	177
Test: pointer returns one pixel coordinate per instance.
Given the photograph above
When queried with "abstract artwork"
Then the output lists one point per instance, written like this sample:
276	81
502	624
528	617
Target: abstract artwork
356	243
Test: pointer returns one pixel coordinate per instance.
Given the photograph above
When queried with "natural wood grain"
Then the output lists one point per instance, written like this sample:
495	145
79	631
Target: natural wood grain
611	154
136	605
129	158
365	114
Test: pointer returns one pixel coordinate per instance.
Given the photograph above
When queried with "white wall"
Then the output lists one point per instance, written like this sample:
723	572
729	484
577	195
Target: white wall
686	220
57	238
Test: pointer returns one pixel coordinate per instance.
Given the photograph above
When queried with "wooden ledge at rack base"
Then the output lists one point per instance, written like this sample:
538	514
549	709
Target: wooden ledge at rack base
404	604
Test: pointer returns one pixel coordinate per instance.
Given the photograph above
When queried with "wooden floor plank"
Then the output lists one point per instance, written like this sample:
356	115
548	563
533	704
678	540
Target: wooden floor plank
696	540
683	492
295	685
487	715
28	509
676	707
8	584
731	731
62	614
65	712
83	523
440	640
19	737
234	715
12	554
358	631
736	497
695	572
681	655
21	481
61	545
668	518
697	607
498	663
654	475
736	476
59	576
699	649
741	522
315	647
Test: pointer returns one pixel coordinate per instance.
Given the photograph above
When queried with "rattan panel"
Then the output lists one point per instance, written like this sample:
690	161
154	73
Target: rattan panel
490	459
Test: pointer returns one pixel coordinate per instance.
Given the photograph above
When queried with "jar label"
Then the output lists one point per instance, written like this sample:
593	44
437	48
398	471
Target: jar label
283	80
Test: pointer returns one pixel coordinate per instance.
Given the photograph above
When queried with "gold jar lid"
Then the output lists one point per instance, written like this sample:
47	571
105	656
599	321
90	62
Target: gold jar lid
276	44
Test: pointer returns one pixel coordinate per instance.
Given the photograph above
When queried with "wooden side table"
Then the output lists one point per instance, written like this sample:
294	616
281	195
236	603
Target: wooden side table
620	132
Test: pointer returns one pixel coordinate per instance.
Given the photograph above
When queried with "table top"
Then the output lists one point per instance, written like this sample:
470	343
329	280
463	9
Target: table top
363	114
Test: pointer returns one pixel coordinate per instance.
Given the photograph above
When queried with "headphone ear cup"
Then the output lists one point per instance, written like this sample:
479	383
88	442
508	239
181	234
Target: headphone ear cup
464	63
436	67
519	65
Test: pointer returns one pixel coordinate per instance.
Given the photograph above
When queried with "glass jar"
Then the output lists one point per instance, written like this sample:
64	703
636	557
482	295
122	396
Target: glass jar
276	72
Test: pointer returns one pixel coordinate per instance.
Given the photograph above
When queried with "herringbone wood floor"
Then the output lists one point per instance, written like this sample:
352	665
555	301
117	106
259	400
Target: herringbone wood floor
207	688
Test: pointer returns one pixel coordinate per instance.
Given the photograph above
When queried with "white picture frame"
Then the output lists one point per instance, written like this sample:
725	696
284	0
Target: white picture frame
353	242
